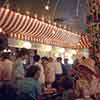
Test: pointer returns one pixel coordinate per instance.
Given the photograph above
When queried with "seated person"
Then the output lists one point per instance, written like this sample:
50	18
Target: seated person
30	85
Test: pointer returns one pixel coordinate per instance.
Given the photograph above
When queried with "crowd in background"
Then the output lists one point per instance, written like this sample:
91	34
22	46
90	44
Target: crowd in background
34	76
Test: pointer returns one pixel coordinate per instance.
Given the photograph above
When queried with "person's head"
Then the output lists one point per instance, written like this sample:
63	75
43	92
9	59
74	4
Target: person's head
59	59
23	54
20	55
44	60
83	58
33	72
65	61
50	59
36	58
4	56
35	52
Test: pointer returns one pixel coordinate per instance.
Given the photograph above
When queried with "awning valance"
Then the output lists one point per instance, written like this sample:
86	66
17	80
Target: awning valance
85	42
28	28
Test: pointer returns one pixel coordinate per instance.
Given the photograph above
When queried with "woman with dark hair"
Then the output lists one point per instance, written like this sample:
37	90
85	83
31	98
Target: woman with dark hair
30	85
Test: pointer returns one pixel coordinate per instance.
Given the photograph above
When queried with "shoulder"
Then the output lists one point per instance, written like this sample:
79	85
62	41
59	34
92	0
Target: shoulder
8	62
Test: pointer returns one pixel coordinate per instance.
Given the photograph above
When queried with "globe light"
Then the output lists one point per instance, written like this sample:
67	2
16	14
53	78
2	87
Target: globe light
61	50
47	7
9	50
28	12
27	45
5	50
49	48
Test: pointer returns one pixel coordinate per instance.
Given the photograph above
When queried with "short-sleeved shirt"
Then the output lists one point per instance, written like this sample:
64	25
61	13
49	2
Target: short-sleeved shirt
30	87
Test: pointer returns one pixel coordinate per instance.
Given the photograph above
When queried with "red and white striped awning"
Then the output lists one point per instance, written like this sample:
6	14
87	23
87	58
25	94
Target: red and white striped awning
85	42
31	29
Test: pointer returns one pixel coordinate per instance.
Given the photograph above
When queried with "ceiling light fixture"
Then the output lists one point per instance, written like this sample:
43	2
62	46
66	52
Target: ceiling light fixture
46	4
47	7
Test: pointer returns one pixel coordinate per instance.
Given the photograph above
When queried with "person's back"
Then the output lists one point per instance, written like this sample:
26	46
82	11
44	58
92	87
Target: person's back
44	62
67	67
51	70
42	75
7	69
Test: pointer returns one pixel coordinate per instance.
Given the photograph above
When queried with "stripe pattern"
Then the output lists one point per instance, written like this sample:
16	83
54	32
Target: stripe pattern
85	42
24	27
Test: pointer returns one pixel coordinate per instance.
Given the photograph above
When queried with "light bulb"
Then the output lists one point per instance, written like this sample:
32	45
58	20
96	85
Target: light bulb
9	50
1	30
28	12
36	16
27	45
47	7
5	50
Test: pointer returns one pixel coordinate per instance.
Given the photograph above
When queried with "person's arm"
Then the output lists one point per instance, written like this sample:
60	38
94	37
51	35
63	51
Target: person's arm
1	72
14	72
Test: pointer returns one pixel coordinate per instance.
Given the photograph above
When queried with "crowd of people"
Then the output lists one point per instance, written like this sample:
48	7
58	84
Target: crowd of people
31	77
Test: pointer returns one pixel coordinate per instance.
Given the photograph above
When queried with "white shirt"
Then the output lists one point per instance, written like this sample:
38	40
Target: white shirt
58	68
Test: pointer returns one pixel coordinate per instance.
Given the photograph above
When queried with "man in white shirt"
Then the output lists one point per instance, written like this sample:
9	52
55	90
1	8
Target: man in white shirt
59	70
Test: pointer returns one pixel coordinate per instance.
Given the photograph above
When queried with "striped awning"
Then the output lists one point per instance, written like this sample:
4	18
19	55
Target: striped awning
28	28
85	42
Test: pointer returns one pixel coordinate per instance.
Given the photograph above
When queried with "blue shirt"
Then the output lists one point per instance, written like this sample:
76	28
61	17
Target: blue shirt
67	67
